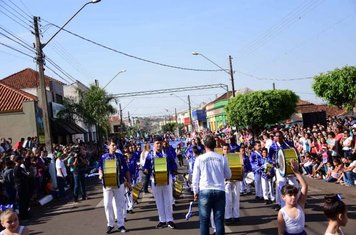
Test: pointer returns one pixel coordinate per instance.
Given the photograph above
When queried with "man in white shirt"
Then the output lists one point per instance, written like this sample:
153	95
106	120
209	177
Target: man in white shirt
61	173
209	174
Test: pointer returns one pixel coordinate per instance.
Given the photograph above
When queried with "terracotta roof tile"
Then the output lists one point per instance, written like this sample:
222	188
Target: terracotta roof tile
307	107
27	78
11	99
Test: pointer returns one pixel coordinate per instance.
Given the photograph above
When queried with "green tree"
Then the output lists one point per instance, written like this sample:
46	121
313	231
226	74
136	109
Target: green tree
93	107
337	87
260	108
169	127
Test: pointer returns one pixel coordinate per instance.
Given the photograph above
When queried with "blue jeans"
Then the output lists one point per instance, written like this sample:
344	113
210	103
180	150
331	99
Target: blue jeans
79	184
211	200
349	177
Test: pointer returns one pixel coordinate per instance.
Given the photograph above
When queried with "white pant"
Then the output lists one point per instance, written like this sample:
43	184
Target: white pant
244	186
258	185
232	205
129	199
163	197
267	189
281	181
118	195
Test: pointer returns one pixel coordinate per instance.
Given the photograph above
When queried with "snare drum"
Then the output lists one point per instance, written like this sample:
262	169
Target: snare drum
110	173
178	188
284	157
236	166
161	174
136	190
250	178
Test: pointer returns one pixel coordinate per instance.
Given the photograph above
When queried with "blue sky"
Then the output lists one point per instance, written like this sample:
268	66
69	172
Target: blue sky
269	40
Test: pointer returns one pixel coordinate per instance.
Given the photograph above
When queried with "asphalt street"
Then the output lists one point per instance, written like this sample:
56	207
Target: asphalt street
87	217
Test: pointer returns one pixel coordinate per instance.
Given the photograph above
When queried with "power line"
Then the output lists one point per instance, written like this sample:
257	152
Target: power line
24	23
324	30
274	79
19	39
24	17
59	68
16	41
68	82
24	26
136	57
12	48
29	15
288	20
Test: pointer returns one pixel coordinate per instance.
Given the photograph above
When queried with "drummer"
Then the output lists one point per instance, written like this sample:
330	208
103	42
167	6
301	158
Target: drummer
245	188
277	145
256	163
115	193
268	172
232	193
161	193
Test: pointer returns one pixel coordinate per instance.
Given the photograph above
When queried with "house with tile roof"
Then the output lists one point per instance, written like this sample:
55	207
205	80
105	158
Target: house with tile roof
28	80
306	107
25	83
18	111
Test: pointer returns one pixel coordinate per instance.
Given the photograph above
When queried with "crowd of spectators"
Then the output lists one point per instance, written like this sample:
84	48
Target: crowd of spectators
326	152
25	174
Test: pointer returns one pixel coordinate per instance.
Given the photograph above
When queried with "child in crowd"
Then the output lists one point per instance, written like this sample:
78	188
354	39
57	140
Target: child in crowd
336	173
336	212
10	221
291	218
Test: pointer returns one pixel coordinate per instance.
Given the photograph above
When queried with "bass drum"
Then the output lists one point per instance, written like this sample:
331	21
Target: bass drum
284	157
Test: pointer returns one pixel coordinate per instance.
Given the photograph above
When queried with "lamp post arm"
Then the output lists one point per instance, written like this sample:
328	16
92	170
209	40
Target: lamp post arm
45	44
225	70
122	71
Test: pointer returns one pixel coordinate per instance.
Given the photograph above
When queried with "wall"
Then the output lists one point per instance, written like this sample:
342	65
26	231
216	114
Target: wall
19	124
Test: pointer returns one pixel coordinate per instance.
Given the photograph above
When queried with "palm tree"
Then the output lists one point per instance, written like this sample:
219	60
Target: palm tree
93	107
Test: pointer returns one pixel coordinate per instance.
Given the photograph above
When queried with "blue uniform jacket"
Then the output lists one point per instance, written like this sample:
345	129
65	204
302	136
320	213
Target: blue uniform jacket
247	164
171	164
256	162
122	163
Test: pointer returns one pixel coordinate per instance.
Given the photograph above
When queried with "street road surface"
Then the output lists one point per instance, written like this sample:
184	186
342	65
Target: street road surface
87	217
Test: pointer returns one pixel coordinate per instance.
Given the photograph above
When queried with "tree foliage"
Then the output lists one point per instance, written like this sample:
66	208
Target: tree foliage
93	107
169	127
337	87
259	108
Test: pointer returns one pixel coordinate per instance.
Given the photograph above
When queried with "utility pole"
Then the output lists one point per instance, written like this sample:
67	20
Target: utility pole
190	112
121	127
274	86
175	115
232	77
42	95
128	115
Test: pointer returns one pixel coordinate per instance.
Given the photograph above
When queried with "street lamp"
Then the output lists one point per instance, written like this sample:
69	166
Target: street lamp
122	71
230	71
91	2
40	61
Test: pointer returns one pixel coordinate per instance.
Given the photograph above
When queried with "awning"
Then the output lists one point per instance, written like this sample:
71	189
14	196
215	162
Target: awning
61	127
